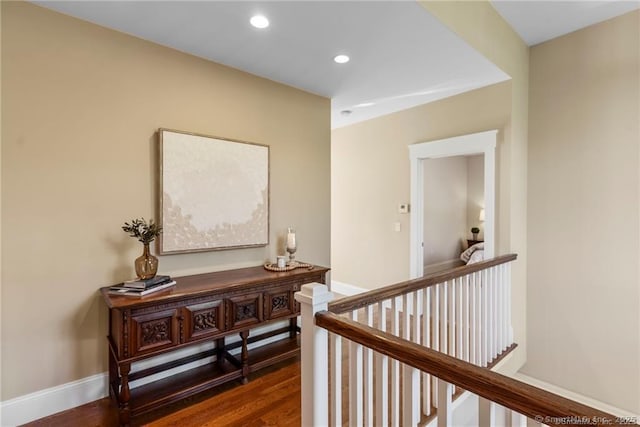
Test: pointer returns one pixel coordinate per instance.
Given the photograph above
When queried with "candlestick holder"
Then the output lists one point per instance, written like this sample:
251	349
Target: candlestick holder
292	257
291	245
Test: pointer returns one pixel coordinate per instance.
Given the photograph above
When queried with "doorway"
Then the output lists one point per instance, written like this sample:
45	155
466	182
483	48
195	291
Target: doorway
454	202
483	143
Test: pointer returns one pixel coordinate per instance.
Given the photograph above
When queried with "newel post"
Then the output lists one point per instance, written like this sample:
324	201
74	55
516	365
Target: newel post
314	297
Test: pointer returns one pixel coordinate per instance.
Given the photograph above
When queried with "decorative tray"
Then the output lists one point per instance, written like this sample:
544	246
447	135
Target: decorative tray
290	266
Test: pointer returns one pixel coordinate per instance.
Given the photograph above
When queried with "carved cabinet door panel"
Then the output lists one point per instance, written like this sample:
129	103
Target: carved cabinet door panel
154	331
203	320
279	302
244	310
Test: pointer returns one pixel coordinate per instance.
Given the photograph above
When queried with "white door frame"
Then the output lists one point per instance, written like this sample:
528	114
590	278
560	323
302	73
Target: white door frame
476	143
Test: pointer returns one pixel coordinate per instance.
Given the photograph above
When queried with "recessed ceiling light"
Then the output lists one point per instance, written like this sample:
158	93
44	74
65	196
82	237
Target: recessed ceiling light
341	59
345	112
259	21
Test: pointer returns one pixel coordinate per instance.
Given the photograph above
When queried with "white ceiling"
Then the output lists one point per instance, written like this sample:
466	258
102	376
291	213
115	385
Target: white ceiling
401	56
539	21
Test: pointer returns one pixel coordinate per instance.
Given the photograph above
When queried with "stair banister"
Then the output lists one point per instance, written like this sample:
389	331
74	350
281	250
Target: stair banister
355	302
313	298
523	398
444	332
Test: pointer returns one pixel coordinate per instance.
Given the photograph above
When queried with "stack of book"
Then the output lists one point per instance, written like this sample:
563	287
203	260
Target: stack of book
139	288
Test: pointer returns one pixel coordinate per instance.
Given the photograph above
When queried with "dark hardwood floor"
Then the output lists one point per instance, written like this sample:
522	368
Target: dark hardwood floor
271	398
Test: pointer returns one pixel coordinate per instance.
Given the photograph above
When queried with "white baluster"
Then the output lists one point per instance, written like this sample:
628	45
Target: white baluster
499	307
451	315
382	380
445	396
410	375
395	367
313	297
466	304
502	345
355	381
410	396
416	325
459	316
496	308
485	319
475	327
505	322
479	314
368	375
435	311
490	314
435	304
406	318
510	331
417	333
417	311
505	305
444	318
486	412
453	297
336	381
426	341
515	419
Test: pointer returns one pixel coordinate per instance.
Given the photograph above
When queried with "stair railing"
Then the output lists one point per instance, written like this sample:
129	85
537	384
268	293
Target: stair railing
405	343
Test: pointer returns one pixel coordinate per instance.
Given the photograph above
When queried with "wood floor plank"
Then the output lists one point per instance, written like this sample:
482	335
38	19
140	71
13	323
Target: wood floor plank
272	397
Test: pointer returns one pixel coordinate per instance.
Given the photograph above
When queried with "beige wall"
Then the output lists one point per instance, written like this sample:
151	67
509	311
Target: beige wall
445	210
80	106
453	197
370	177
478	23
475	194
584	289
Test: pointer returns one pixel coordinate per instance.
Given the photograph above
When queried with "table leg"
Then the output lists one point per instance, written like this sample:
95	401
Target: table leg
114	378
293	327
220	351
125	395
245	357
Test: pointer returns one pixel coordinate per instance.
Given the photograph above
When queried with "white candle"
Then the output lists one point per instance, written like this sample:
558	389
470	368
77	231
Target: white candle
291	239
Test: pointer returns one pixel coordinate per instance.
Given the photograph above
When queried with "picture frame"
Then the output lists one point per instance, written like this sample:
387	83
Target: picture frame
213	193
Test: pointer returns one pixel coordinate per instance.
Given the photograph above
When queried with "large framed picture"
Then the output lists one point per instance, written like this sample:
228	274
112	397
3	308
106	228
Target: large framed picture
214	193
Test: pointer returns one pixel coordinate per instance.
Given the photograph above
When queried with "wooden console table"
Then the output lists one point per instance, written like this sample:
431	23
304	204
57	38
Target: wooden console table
198	309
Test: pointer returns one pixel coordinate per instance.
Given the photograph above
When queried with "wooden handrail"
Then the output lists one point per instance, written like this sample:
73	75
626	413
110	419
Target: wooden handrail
533	402
355	302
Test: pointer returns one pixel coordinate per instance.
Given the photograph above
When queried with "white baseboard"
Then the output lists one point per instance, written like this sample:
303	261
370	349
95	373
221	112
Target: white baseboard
576	396
33	406
346	289
46	402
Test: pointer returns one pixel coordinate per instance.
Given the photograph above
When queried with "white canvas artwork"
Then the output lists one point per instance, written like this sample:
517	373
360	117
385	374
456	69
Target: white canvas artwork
214	193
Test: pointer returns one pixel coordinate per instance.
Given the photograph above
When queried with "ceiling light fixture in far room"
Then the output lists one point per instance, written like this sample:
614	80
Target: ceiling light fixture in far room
341	59
259	21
